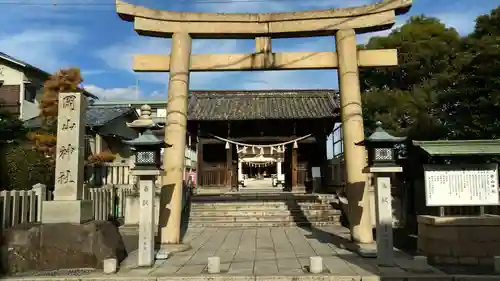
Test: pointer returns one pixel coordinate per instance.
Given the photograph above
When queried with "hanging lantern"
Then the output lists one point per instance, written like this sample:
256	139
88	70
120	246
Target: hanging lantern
295	145
227	145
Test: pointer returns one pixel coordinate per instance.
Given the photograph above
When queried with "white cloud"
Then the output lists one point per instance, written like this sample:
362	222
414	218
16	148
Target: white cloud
120	56
129	93
43	48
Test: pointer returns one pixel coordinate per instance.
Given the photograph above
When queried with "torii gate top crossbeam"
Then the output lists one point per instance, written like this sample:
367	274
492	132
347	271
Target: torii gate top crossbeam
363	19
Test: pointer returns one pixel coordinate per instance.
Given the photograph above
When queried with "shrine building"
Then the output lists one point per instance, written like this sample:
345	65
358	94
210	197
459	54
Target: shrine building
266	133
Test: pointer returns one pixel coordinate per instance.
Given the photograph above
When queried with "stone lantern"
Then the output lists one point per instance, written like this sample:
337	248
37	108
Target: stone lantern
381	147
147	151
382	164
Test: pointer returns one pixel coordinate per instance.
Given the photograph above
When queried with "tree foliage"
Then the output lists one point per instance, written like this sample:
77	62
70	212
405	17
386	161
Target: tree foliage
22	167
446	86
11	128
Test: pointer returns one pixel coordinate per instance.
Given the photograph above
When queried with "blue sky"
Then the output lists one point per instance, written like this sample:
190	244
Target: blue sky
88	34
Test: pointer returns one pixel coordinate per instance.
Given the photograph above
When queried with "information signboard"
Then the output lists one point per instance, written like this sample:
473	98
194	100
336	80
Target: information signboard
461	185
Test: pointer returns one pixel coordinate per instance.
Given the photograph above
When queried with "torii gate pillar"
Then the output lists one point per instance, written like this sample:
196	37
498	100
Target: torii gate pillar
175	135
353	131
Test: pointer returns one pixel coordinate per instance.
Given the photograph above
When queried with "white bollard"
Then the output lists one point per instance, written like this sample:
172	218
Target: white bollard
316	265
110	266
496	263
420	261
213	265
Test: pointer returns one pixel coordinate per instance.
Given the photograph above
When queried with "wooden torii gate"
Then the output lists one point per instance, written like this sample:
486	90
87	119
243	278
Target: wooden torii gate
344	24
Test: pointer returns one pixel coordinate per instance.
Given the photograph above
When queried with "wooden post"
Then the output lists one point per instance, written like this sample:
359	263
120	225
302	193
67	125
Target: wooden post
199	163
229	165
324	160
294	169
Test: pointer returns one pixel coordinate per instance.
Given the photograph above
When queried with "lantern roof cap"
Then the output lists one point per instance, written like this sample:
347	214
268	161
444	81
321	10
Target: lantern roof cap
148	138
144	121
380	135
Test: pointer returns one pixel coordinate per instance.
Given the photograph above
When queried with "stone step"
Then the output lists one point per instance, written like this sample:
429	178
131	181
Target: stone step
269	218
277	212
269	204
259	224
259	190
239	197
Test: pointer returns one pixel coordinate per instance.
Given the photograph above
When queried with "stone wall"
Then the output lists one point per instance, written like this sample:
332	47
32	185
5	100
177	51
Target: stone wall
459	240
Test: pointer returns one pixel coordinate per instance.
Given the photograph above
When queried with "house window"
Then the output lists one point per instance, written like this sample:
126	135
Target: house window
30	92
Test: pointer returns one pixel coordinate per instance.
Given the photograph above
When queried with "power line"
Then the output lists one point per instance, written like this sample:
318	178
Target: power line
95	4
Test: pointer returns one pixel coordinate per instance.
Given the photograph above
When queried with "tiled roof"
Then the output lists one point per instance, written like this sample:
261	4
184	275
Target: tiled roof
100	115
257	105
95	116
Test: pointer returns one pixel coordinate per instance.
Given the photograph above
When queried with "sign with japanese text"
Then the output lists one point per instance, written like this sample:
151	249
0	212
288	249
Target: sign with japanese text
461	185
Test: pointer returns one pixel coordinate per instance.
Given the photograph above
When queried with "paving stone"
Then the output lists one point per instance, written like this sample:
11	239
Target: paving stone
279	254
245	267
288	264
338	266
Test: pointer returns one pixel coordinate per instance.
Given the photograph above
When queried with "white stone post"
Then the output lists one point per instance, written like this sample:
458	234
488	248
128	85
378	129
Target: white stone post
383	214
147	178
68	206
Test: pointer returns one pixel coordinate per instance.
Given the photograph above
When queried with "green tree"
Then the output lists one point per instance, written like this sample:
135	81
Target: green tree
404	97
425	49
487	25
11	128
471	102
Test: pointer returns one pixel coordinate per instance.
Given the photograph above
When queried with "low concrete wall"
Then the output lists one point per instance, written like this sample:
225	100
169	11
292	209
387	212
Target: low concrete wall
459	240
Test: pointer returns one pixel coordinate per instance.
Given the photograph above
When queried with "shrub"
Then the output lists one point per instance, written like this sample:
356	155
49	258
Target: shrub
100	158
22	167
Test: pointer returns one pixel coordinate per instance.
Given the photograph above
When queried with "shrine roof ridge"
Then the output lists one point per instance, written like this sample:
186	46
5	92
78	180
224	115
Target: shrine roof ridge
264	93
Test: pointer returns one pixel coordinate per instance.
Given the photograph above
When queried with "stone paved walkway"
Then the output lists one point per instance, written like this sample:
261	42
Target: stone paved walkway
263	254
280	251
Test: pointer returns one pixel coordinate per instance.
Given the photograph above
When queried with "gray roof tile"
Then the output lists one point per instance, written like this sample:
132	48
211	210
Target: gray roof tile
258	105
95	116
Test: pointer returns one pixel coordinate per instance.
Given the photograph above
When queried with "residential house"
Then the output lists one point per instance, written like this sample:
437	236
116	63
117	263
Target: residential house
106	128
159	113
21	86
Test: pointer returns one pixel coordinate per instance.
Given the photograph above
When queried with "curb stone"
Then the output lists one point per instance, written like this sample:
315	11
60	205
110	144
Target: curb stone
311	277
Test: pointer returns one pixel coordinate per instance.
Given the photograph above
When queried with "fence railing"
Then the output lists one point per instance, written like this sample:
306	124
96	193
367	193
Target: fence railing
22	206
25	206
109	173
